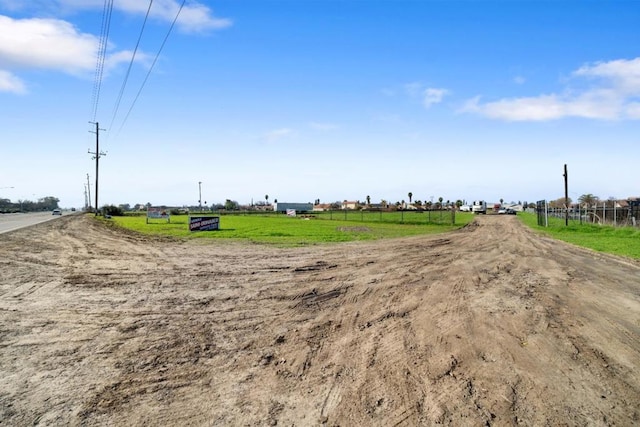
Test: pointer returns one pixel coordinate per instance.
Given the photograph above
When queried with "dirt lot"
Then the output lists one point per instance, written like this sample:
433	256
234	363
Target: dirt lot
489	325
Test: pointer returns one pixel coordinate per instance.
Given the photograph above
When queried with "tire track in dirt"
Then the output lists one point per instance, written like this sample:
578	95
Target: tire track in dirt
488	325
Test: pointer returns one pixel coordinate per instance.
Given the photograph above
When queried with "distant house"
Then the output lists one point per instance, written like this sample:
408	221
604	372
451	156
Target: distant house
376	206
350	205
410	207
622	204
322	207
298	207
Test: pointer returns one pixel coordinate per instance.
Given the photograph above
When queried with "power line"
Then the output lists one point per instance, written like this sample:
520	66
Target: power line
126	77
102	51
152	65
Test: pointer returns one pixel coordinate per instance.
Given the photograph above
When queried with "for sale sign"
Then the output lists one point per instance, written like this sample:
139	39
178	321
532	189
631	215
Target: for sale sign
204	223
158	213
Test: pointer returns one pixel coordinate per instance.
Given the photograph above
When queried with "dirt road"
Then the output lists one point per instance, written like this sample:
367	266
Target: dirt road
489	325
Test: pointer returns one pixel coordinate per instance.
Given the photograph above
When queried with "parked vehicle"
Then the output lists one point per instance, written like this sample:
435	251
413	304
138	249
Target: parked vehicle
465	208
479	207
502	211
56	212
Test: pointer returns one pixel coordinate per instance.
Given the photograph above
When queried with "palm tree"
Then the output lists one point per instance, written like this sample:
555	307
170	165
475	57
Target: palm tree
440	201
266	198
410	196
368	200
501	200
588	200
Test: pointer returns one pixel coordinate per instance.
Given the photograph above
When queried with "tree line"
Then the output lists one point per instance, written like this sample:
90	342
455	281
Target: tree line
584	201
43	204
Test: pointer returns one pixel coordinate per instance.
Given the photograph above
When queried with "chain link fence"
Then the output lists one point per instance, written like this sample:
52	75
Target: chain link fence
628	216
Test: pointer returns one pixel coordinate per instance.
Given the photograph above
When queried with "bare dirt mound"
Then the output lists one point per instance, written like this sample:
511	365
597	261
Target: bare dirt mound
490	325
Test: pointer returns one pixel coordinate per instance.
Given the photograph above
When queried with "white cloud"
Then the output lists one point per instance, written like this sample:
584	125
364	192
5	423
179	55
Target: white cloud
194	17
613	97
45	43
278	134
433	96
56	44
519	80
429	96
51	44
10	83
545	107
623	74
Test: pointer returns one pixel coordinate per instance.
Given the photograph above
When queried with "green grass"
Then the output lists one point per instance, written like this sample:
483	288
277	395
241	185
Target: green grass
281	230
404	217
623	241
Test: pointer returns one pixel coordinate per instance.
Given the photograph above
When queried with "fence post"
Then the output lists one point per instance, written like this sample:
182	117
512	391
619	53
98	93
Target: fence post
546	214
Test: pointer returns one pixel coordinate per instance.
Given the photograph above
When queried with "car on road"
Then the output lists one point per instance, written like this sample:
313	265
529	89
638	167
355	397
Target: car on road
506	211
56	212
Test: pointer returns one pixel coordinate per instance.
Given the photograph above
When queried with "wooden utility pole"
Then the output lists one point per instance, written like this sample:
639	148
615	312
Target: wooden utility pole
566	195
89	193
96	156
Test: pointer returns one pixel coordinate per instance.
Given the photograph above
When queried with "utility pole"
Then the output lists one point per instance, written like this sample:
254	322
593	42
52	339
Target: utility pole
96	156
85	197
566	195
200	194
88	191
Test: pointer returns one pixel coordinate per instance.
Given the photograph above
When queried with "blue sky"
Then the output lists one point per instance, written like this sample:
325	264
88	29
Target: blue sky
321	99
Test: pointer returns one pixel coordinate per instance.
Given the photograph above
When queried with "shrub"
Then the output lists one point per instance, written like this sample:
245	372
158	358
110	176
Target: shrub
112	210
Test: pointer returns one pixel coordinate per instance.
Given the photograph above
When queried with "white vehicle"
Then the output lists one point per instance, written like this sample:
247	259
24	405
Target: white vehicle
465	208
479	207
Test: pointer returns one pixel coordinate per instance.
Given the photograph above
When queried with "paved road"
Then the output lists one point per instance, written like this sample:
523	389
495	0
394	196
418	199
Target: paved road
10	222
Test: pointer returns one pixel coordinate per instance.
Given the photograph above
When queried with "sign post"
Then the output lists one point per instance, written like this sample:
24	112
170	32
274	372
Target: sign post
158	213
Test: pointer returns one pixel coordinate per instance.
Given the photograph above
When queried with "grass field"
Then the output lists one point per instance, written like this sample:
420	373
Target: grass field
615	240
328	227
296	231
